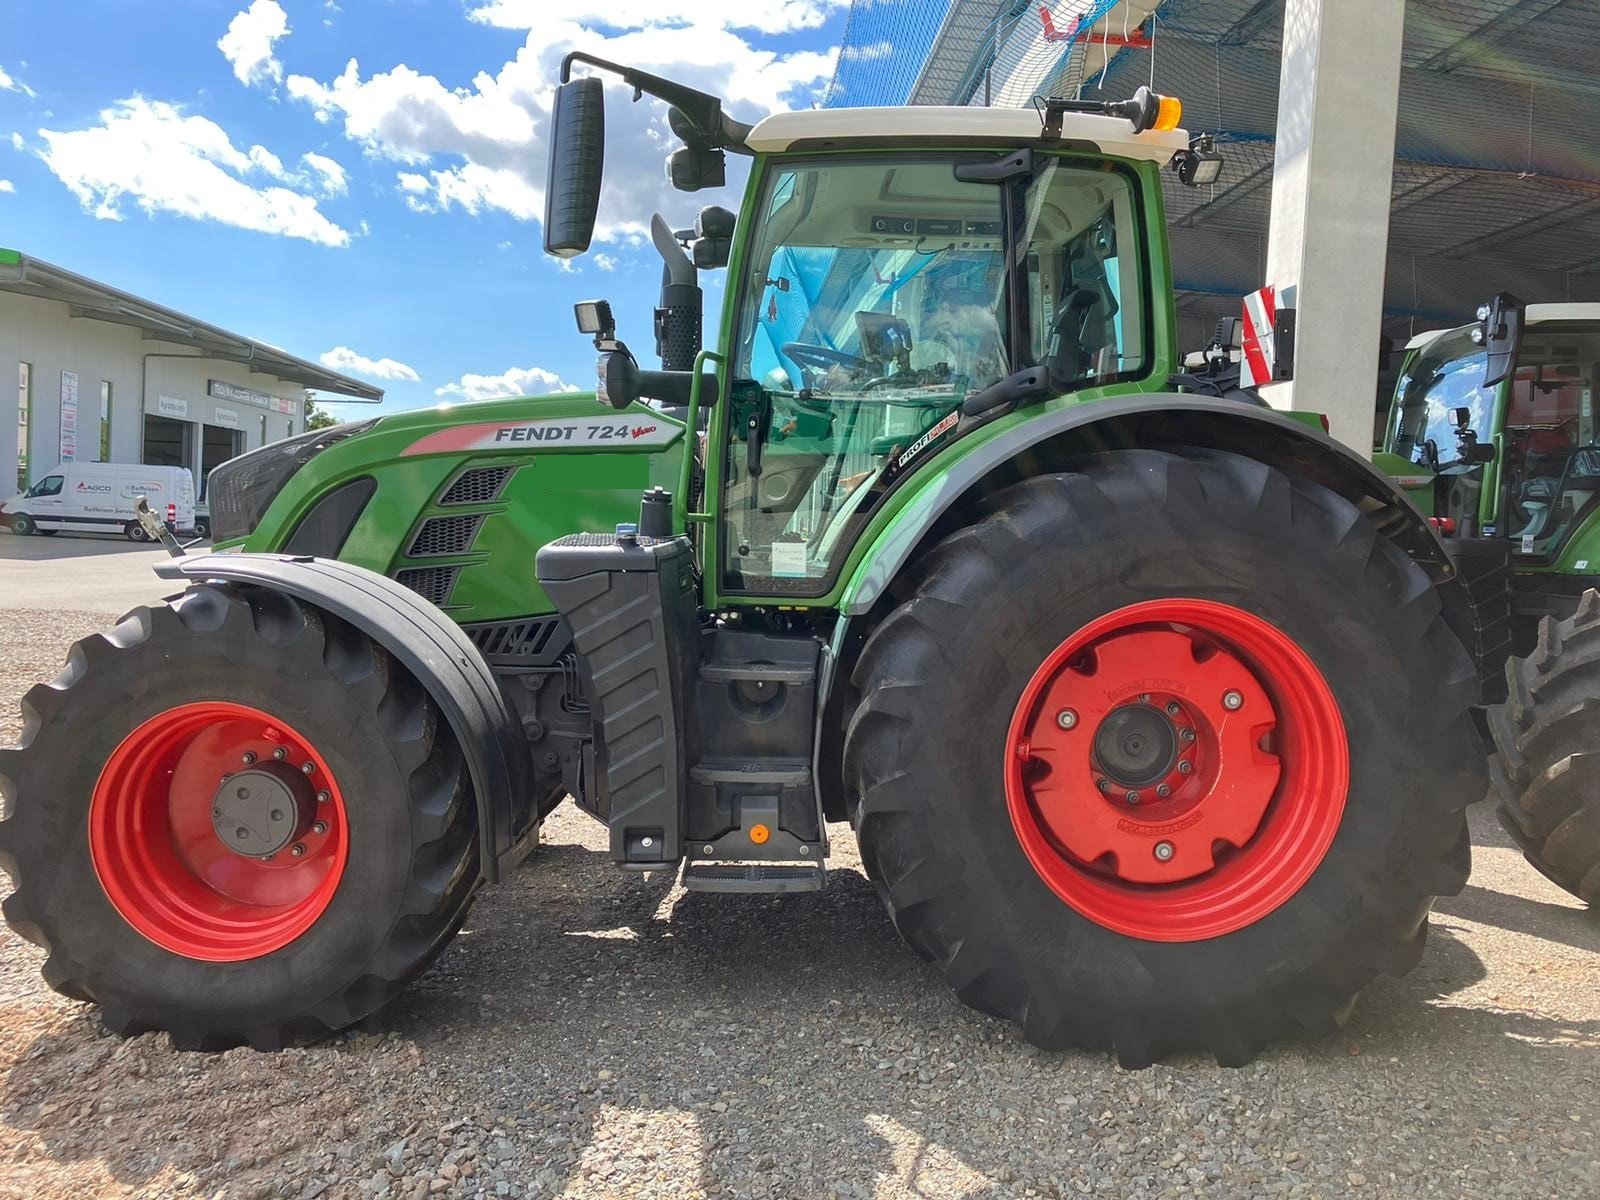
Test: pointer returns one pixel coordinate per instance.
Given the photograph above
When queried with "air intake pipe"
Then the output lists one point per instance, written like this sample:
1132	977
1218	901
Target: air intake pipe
678	319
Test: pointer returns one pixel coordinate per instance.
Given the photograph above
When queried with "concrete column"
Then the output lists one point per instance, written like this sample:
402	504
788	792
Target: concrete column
1332	176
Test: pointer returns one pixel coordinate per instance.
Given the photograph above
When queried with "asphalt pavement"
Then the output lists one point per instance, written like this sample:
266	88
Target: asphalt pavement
87	572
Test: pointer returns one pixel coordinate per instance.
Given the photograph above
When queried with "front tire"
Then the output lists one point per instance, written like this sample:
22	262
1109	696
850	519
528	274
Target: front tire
22	525
1547	751
236	818
1202	585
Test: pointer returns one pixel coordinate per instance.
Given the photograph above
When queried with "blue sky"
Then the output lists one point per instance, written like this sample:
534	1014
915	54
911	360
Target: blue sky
362	180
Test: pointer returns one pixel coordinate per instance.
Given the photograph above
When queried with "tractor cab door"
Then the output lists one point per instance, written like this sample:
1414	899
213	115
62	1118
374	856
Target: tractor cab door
878	293
1552	444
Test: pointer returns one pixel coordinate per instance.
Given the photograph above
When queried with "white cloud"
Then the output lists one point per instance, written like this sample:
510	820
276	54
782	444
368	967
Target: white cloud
328	176
16	141
342	358
868	53
606	262
482	146
248	44
8	84
769	16
518	381
149	152
8	187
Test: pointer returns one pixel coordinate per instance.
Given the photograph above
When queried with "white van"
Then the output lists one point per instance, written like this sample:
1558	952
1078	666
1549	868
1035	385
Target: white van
99	497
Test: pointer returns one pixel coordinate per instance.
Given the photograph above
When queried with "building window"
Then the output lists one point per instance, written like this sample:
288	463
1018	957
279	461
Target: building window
105	420
24	403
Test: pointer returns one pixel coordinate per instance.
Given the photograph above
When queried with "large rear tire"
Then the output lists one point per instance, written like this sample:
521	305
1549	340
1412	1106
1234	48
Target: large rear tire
1190	621
1547	751
236	818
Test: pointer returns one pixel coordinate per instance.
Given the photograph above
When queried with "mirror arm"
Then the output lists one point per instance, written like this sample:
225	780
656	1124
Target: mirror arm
702	109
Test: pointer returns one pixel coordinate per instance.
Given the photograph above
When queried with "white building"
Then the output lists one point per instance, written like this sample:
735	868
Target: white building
103	376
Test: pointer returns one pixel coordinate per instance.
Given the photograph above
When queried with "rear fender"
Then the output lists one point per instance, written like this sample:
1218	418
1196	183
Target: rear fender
433	648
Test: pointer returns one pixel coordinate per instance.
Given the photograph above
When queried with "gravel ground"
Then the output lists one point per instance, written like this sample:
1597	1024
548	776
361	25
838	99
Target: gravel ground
592	1034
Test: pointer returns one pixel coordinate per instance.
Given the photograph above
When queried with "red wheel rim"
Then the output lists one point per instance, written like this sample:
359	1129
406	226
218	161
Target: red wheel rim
1176	769
155	843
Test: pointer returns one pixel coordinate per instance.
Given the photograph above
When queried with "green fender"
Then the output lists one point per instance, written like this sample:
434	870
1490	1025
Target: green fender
1152	419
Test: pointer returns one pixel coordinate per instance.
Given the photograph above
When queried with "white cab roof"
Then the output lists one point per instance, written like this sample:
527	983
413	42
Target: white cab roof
1536	314
819	128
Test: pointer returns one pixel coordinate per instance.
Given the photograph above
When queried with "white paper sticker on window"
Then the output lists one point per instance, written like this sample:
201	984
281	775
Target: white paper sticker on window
1527	543
788	560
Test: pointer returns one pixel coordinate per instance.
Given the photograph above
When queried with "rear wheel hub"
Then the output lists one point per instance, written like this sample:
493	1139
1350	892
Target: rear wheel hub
1177	769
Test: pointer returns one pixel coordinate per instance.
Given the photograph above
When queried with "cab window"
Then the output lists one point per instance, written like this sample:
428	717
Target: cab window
876	302
50	485
1446	375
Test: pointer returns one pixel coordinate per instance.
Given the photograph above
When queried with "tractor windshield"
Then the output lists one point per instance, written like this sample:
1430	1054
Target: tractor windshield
1446	375
875	301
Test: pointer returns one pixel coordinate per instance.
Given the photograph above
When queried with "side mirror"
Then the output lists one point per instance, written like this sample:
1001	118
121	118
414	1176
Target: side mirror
577	163
1500	333
1460	417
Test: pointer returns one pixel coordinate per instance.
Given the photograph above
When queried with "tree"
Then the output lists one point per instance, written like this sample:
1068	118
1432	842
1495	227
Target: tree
315	417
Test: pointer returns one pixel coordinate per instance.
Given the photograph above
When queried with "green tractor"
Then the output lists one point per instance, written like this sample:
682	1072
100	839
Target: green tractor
1494	433
1147	709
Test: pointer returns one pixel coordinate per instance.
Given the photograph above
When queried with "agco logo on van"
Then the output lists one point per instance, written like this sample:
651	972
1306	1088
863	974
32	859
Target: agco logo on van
93	487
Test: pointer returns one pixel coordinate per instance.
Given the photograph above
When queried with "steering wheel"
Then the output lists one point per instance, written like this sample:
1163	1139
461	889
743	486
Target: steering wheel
820	358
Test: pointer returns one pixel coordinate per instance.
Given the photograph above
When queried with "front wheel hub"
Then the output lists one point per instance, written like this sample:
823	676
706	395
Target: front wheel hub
218	831
258	812
1202	782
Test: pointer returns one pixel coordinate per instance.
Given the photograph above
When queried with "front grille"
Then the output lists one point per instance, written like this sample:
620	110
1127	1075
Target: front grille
433	584
445	535
477	485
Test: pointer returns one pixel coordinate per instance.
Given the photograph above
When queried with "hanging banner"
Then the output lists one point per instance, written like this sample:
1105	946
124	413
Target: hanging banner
69	416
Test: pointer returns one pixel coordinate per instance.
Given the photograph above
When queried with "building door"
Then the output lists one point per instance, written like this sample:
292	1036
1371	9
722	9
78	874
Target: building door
167	443
217	446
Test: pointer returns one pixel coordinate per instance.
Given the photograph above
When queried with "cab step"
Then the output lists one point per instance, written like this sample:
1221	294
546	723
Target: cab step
752	771
753	877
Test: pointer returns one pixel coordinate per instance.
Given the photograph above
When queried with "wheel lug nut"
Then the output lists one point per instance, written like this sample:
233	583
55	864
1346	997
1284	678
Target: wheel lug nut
1163	791
1172	708
307	768
1186	734
319	827
280	754
1103	784
248	757
1186	768
1132	797
1232	701
300	849
322	797
1066	718
1164	851
1144	697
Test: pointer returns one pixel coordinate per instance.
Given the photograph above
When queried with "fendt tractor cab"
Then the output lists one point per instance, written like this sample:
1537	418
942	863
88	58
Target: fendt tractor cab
1493	432
920	538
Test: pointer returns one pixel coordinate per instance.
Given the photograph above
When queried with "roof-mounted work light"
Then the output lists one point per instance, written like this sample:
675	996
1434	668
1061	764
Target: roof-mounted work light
1200	164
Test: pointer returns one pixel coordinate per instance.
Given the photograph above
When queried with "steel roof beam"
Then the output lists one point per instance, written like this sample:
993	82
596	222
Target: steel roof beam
1516	16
